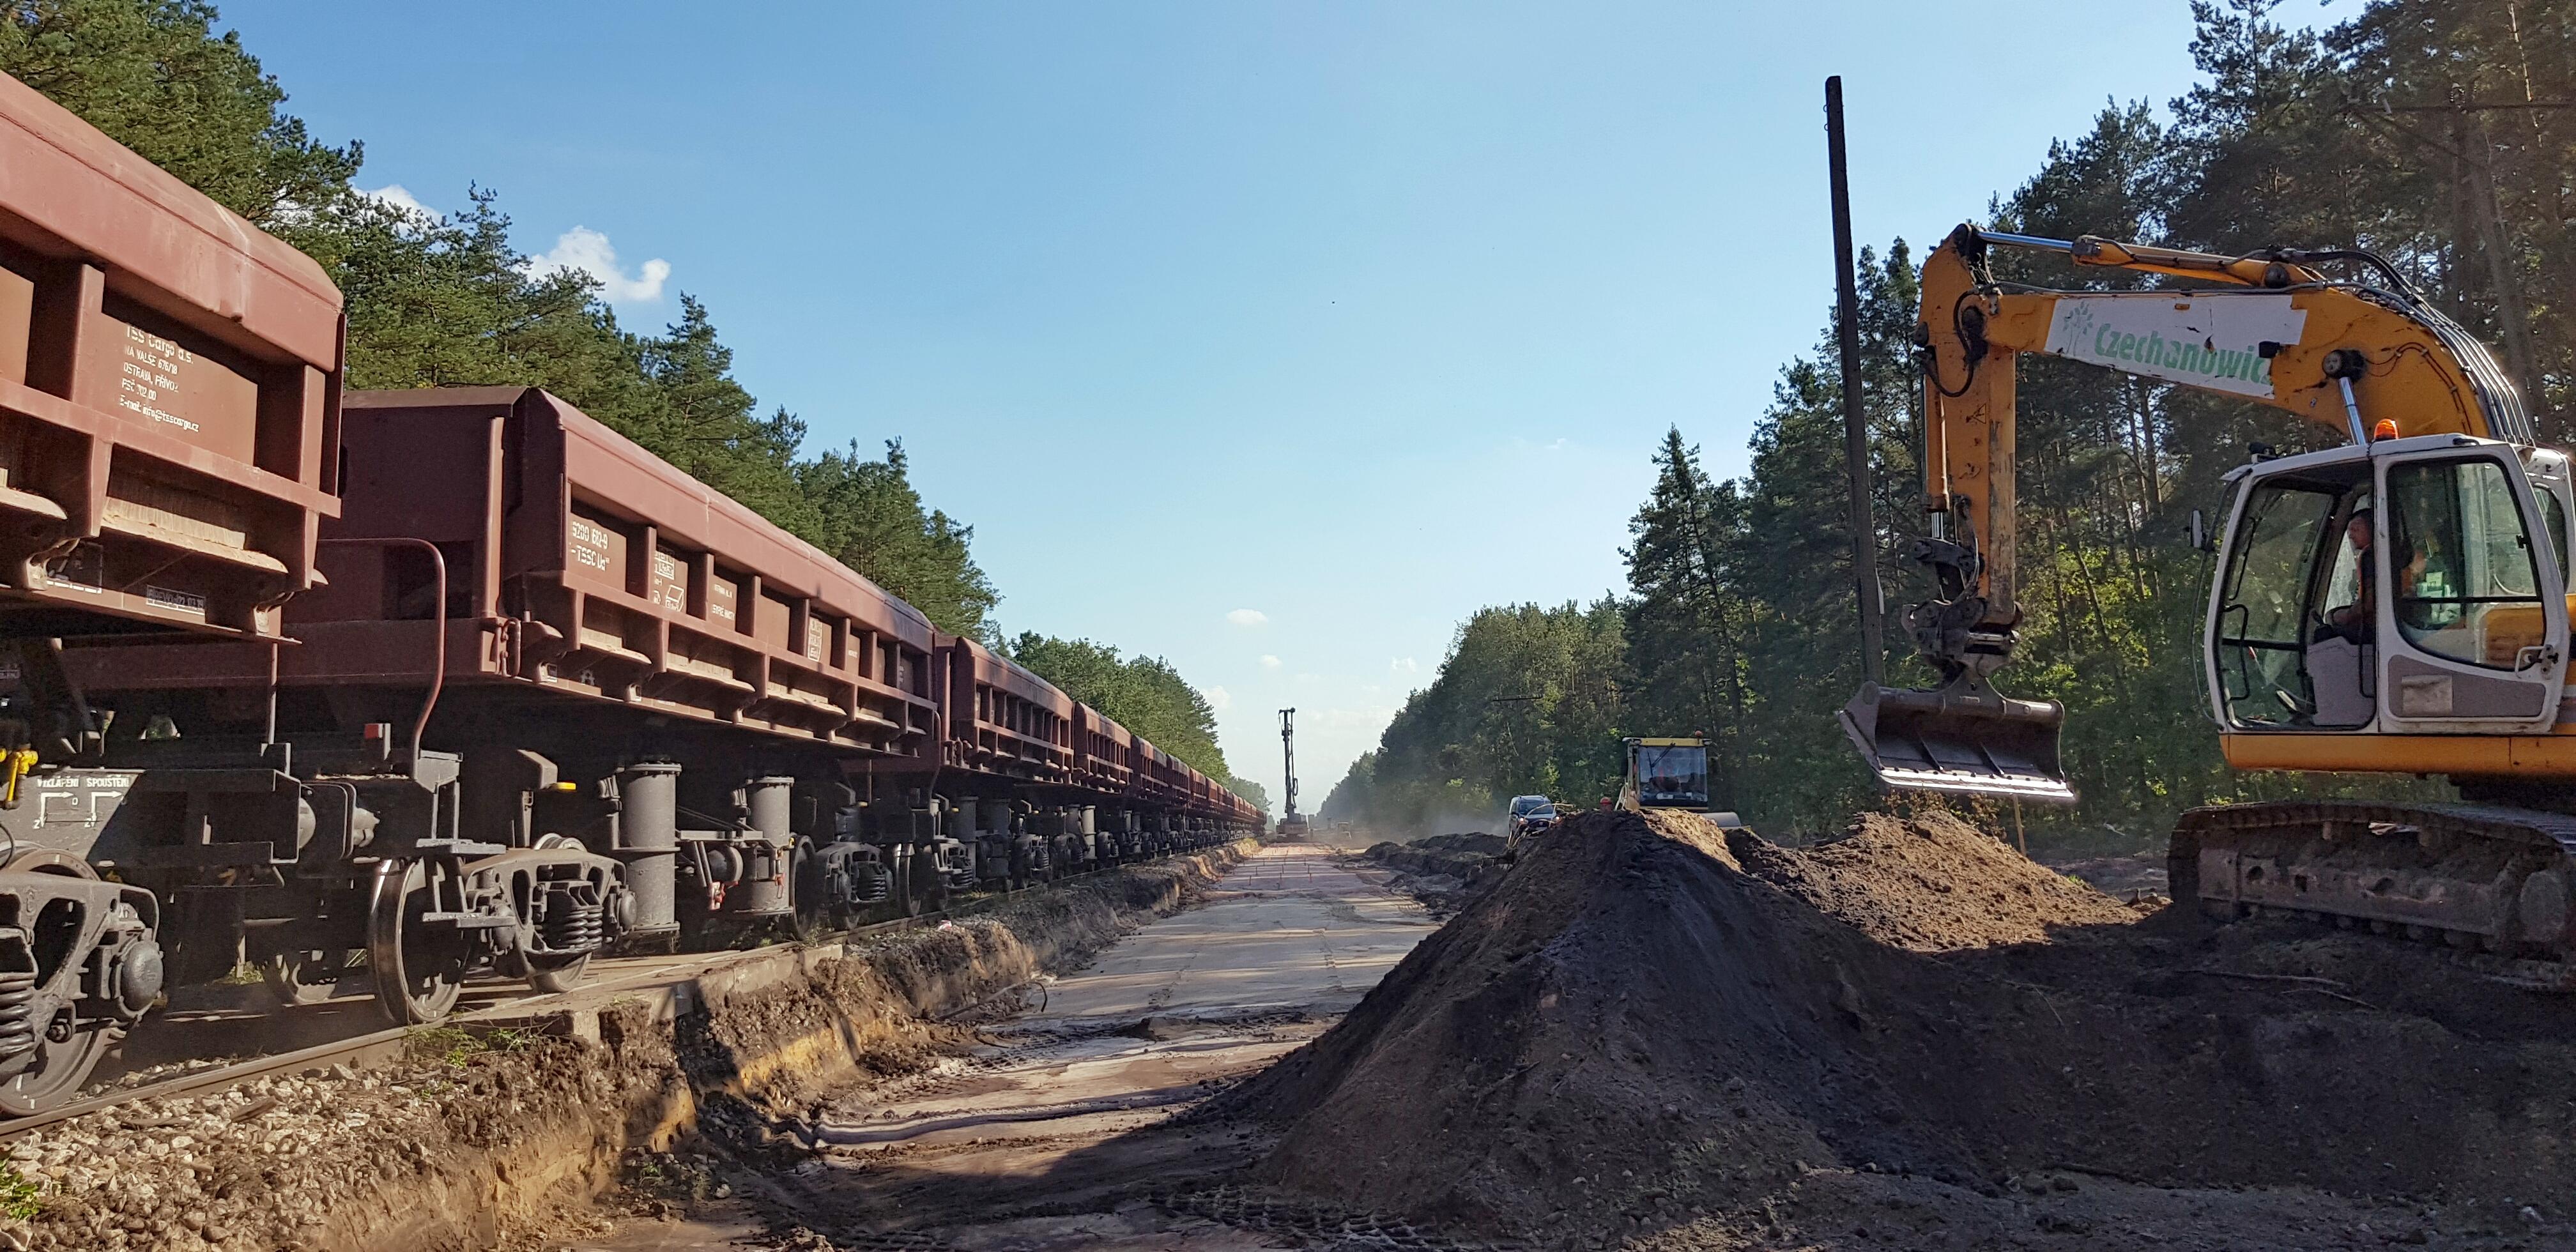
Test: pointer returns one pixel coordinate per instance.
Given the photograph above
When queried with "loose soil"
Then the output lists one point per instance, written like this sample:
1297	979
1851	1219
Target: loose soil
1658	1032
1442	871
483	1139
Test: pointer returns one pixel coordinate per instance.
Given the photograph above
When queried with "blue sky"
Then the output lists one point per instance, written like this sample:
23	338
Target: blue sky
1271	338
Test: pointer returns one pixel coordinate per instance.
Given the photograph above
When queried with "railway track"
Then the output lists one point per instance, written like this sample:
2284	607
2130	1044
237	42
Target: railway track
385	1044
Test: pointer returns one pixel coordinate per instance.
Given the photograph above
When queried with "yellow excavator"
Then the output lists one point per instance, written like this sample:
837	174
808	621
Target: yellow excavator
2394	605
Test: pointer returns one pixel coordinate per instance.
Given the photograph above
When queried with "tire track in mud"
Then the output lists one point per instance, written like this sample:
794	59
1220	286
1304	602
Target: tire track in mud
1065	1118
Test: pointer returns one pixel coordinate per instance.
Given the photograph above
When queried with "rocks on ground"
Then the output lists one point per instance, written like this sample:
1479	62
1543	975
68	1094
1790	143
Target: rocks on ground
488	1139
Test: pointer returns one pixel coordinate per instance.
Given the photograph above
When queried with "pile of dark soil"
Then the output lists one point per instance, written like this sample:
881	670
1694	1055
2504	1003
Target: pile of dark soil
1443	872
1470	843
1929	883
2139	876
1654	1028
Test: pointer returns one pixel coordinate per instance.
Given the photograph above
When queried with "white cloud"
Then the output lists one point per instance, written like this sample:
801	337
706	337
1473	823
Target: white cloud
1218	698
1403	665
1248	617
396	196
1270	662
588	251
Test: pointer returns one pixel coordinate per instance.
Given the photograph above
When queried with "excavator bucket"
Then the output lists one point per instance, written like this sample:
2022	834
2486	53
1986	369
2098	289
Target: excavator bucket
1964	737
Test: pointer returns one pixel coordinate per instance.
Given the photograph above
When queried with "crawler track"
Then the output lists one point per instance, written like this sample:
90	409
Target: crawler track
2491	883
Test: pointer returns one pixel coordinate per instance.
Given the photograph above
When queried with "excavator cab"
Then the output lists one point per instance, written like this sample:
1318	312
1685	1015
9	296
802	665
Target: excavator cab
2405	586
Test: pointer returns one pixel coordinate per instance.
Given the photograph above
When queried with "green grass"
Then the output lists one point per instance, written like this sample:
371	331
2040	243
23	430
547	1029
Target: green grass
17	1194
456	1047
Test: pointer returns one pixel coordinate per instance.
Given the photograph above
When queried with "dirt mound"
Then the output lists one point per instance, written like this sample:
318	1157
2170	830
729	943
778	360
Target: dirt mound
1644	1024
1930	884
1471	843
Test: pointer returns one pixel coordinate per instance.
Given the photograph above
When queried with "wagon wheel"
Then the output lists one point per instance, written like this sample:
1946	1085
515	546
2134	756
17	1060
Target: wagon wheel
418	970
59	1071
307	976
906	902
62	1064
558	973
814	913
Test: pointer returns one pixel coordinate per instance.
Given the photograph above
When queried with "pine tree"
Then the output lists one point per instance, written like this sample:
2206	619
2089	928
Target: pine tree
1144	694
156	78
1682	619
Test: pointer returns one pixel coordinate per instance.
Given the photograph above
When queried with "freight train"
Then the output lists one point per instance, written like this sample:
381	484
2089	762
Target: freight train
416	686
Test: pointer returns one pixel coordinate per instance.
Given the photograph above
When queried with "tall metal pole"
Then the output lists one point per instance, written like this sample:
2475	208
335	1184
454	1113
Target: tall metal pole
1288	746
1873	648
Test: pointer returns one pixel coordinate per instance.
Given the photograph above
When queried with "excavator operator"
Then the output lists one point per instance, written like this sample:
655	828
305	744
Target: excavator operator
2357	622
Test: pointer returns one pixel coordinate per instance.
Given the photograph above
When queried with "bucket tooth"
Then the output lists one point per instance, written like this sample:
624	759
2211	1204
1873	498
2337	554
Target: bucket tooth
1963	738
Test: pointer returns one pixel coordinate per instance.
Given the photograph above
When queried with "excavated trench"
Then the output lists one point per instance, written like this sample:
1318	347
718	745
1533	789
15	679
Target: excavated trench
478	1138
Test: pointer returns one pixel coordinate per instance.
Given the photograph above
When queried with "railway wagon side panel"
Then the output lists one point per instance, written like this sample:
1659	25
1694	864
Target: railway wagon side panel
579	565
169	408
1003	720
169	382
1103	752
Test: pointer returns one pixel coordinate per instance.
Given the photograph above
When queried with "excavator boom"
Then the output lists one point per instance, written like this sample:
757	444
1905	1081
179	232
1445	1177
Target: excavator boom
2395	604
2269	327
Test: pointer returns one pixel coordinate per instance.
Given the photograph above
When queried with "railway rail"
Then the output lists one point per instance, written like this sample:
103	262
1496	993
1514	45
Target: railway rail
390	1042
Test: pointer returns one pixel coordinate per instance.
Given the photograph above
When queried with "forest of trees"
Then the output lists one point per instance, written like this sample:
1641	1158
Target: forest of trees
2441	135
447	300
437	301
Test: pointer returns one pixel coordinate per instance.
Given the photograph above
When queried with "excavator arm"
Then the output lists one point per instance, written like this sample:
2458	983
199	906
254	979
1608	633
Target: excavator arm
2366	358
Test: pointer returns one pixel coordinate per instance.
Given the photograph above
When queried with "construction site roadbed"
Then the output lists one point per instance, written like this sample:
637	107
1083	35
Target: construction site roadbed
1076	1119
1642	1031
505	1127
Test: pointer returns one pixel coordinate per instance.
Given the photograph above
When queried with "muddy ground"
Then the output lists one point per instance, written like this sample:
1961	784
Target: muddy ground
1652	1033
1059	1128
1646	1032
478	1139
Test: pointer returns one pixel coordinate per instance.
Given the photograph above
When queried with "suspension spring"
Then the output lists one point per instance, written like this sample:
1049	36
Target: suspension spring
572	923
17	1008
871	885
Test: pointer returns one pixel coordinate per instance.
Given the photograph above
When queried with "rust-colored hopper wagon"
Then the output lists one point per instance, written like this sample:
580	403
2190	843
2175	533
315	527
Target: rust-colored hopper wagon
1105	779
533	695
1007	752
640	698
169	402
